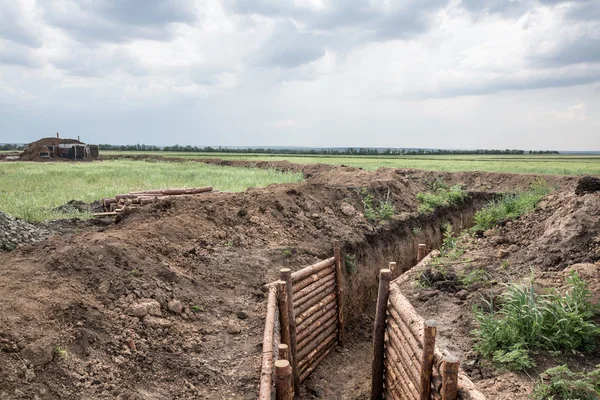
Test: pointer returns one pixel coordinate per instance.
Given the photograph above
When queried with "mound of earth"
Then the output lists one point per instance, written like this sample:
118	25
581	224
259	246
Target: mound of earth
33	150
14	232
562	234
166	303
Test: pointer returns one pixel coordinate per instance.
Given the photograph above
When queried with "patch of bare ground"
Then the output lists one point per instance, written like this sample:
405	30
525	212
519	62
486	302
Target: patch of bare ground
166	303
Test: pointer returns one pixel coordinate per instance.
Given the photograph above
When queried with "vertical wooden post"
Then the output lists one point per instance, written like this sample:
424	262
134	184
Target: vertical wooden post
285	275
385	276
337	254
393	269
422	252
450	378
284	351
266	369
284	312
57	150
429	332
283	380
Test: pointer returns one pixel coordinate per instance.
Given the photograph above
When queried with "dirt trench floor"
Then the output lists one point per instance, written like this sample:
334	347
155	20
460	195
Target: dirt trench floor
166	303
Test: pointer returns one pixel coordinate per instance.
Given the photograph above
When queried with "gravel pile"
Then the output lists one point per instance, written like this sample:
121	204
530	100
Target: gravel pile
14	232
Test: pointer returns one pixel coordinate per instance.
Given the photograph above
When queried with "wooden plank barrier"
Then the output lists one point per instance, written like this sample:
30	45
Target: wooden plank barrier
310	304
409	364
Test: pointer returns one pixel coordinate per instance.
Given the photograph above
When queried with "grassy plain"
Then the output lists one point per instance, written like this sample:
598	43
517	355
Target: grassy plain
525	164
31	191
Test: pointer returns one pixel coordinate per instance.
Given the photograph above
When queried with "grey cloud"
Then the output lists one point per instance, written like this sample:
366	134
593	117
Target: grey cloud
488	88
118	21
400	20
14	54
12	26
287	47
584	49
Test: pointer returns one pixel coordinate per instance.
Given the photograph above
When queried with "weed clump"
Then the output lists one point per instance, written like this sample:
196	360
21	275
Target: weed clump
377	211
510	206
440	195
528	320
561	383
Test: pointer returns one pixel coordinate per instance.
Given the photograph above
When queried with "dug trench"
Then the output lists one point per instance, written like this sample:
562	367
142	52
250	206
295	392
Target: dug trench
167	302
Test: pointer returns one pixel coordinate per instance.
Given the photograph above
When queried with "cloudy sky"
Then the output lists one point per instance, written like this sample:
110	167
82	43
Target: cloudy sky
323	73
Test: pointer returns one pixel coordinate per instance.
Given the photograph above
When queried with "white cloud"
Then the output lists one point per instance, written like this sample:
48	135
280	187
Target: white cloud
284	123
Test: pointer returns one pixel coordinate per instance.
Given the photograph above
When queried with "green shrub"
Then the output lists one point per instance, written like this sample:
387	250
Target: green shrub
561	383
351	264
526	320
383	211
510	206
440	196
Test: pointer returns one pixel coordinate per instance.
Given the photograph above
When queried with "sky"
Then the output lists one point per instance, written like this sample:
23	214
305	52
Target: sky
519	74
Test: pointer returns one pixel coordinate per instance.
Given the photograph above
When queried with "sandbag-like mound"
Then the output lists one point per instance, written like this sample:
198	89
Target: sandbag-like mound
33	150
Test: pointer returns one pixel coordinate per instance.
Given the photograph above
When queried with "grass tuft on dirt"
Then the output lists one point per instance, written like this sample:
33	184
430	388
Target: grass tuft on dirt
510	206
440	195
31	191
562	383
527	320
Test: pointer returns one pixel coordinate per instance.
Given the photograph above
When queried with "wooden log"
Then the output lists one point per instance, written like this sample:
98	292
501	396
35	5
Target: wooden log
306	351
402	331
309	370
312	334
410	317
316	307
284	351
314	300
407	387
305	324
283	380
175	191
112	207
266	369
285	275
385	276
392	267
450	378
339	282
409	360
392	390
429	329
394	385
399	378
105	214
313	289
315	326
312	269
299	285
421	252
284	316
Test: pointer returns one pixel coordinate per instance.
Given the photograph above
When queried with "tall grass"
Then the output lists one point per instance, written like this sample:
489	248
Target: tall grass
527	320
510	206
31	190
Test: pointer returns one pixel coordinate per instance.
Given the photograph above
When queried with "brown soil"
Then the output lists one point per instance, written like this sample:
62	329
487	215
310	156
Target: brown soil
181	280
32	152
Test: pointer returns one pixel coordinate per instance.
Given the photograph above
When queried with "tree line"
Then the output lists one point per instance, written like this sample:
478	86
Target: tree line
342	152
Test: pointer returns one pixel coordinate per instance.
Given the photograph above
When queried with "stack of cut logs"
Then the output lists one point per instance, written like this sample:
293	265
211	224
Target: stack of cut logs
122	202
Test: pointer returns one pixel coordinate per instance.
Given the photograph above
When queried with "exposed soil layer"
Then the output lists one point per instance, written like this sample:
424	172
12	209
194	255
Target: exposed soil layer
32	152
166	304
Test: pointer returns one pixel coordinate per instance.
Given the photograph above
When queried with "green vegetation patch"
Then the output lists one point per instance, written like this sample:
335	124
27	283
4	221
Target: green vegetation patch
561	383
31	191
527	320
374	210
440	195
510	206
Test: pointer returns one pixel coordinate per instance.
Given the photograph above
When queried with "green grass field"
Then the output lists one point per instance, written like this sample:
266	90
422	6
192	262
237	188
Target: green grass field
31	190
525	164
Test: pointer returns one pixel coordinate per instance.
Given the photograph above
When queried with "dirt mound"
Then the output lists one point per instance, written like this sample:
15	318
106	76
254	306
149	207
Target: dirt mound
14	232
33	150
167	302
